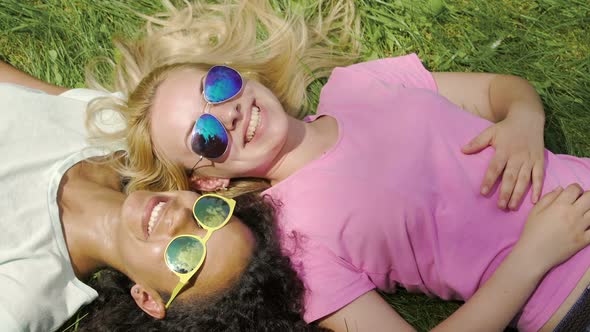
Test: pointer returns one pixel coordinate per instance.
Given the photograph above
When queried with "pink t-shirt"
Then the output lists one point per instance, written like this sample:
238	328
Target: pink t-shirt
396	202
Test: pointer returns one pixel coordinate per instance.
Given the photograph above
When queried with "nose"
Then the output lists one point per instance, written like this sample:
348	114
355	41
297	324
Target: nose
181	220
229	113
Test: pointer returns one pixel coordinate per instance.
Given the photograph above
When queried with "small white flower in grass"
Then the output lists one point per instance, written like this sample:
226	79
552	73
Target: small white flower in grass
496	43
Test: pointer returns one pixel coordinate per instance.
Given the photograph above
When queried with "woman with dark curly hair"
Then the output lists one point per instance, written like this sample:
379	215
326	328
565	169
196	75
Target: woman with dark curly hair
256	302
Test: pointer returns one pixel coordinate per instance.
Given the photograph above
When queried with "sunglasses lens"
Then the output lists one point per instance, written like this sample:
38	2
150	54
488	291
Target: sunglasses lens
211	211
184	254
209	138
222	83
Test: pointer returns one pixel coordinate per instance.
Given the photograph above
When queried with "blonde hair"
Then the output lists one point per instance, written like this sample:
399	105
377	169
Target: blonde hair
286	52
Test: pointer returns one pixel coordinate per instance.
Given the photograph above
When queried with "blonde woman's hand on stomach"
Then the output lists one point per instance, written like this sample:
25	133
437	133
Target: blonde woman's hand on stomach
515	109
556	229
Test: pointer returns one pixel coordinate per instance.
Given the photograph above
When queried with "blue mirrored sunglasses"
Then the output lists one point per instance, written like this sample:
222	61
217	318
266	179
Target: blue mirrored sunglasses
209	138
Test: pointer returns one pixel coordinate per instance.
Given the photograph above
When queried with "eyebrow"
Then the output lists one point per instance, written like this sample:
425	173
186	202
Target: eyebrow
187	140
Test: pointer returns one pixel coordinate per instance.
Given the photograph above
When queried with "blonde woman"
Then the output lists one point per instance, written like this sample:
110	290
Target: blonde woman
378	186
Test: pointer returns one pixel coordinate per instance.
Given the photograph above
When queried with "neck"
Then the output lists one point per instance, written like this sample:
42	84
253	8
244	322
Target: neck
307	141
90	201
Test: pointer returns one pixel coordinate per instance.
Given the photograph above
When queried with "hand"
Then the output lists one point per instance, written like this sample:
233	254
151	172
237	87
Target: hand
518	141
557	227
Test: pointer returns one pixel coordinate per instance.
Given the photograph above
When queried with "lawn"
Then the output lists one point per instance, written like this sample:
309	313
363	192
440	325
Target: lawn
545	41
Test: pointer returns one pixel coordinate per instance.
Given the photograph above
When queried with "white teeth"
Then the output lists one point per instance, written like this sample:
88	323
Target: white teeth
154	216
254	121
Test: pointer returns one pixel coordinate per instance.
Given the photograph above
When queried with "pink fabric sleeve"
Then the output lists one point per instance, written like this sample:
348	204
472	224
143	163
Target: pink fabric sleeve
330	282
406	70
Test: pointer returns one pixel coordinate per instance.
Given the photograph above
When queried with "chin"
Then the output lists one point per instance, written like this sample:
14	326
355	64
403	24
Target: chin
134	205
133	202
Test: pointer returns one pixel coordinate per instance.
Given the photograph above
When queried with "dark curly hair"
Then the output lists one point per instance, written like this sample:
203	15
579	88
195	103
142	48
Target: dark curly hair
268	296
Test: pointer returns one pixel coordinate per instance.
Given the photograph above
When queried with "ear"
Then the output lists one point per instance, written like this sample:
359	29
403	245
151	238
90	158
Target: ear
149	301
205	183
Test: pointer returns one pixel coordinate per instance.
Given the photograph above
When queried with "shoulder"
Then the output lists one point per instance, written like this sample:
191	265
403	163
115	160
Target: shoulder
87	95
16	92
330	281
37	303
405	63
406	70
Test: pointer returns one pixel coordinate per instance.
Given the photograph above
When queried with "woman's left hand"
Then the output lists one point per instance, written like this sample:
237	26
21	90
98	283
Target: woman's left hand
518	142
516	109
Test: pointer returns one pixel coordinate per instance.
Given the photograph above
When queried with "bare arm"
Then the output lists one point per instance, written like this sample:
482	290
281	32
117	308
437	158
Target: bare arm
369	312
496	303
491	96
491	308
9	74
556	229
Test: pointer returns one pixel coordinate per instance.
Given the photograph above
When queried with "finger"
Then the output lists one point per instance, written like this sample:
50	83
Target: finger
570	194
494	170
587	230
483	140
538	176
509	178
549	198
586	220
522	183
582	204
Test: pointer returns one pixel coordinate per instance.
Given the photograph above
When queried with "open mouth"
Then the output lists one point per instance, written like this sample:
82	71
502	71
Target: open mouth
154	216
254	122
154	210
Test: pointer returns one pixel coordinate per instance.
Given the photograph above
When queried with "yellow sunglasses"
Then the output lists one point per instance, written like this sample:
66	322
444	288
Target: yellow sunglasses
185	253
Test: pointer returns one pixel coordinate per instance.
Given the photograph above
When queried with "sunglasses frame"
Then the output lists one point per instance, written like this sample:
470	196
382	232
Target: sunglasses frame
184	278
208	104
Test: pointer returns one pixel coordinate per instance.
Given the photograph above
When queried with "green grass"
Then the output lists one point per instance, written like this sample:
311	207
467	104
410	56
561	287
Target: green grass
545	41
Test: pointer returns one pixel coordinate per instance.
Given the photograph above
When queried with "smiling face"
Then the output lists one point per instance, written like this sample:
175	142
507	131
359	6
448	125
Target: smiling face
255	121
151	220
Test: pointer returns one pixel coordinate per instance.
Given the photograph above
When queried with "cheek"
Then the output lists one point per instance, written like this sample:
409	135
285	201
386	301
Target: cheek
230	253
146	263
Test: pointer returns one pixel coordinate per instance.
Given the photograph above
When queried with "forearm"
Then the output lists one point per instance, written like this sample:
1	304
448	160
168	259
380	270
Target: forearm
515	96
9	74
496	303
